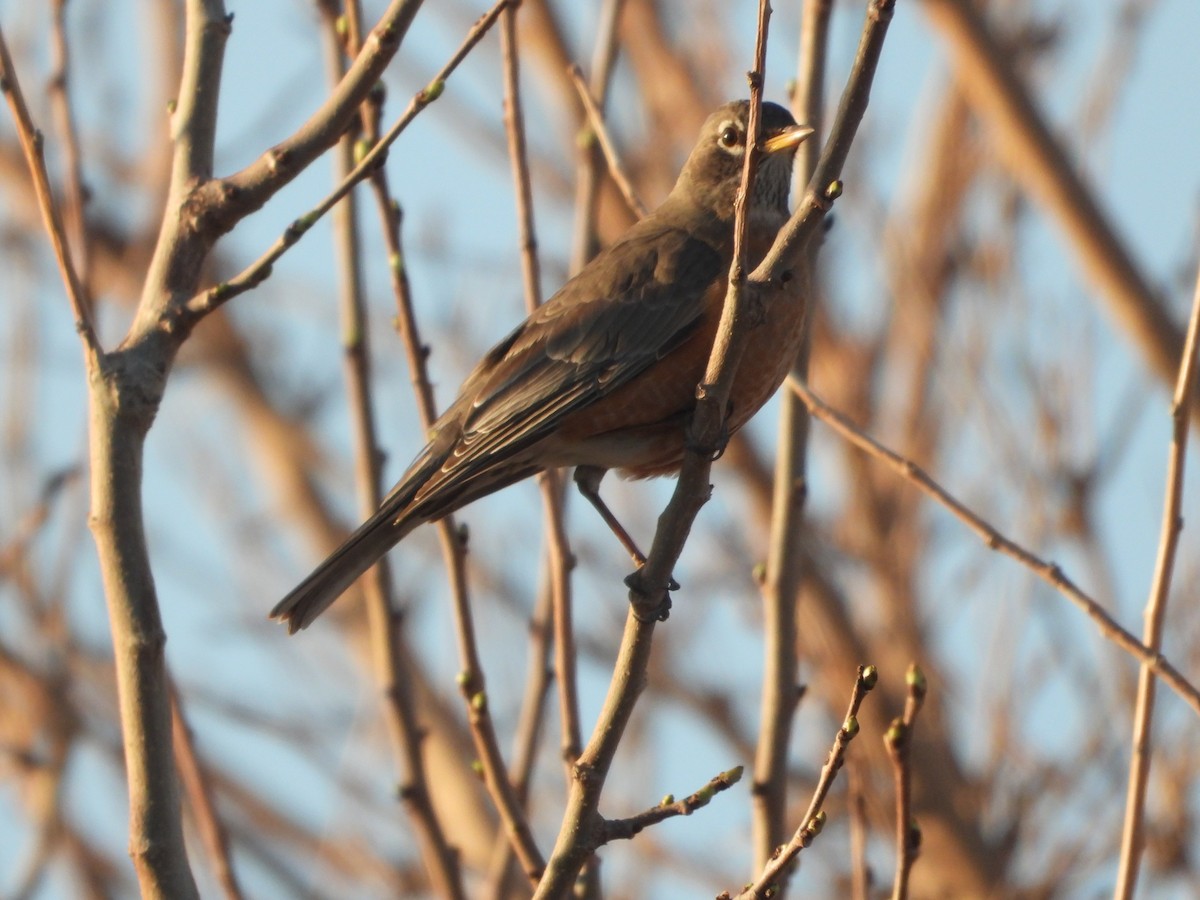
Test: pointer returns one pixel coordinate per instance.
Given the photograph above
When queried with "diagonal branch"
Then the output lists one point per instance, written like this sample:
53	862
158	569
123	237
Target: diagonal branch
1047	571
772	878
596	121
249	189
581	831
1038	162
32	146
235	195
1156	609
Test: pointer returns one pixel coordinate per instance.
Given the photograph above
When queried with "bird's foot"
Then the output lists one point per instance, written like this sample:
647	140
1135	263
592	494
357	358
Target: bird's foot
650	604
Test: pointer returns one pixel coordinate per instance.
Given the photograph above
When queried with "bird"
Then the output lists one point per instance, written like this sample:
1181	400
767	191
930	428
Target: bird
604	374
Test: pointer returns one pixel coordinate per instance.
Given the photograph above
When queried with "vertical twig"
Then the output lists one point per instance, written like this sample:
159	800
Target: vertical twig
898	742
551	483
32	141
587	169
199	793
1132	839
784	570
74	190
528	731
471	680
577	836
554	614
400	714
860	872
772	879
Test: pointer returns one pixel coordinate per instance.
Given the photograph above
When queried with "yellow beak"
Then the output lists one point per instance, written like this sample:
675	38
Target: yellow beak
789	137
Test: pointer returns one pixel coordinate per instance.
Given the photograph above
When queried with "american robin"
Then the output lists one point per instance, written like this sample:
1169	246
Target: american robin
604	374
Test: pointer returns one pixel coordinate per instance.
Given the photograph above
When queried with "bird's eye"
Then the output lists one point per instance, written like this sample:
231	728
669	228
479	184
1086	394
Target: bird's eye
730	136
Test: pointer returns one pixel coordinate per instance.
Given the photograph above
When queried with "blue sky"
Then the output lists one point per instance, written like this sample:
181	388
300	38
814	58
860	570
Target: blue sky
461	243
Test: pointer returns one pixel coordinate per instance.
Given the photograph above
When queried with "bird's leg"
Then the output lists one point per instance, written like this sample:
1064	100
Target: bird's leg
587	479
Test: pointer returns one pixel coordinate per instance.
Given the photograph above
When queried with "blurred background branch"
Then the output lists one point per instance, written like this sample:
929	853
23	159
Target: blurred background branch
1001	300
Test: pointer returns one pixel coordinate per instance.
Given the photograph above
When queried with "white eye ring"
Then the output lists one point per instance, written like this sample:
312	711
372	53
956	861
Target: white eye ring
730	136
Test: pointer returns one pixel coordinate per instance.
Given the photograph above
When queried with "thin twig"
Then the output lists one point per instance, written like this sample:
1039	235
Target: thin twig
509	801
1156	611
825	186
578	835
558	560
528	730
784	568
583	248
587	168
559	556
600	131
772	875
399	704
214	297
487	746
74	191
453	539
561	561
669	808
860	872
472	684
704	433
32	146
898	741
454	545
192	776
575	842
1047	571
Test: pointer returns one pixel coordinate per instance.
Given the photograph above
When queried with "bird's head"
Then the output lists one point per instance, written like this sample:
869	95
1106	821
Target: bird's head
713	170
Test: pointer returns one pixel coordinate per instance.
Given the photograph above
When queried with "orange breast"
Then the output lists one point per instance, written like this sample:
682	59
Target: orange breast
639	428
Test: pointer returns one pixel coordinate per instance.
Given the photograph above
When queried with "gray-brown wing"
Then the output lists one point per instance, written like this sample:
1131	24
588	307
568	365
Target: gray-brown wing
632	305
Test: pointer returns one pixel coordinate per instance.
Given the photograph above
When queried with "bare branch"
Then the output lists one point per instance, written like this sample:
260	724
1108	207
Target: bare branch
1133	839
249	189
1039	163
898	740
1048	572
236	193
781	584
399	703
771	879
31	143
600	132
669	808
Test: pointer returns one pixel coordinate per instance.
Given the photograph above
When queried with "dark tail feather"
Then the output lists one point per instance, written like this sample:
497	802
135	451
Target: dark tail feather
345	565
